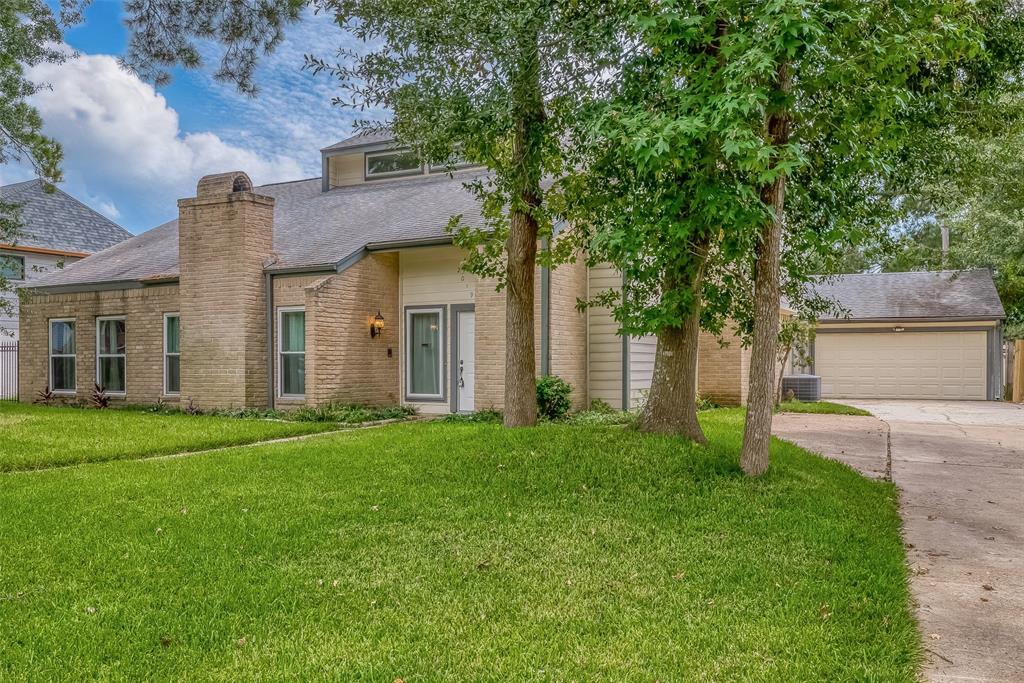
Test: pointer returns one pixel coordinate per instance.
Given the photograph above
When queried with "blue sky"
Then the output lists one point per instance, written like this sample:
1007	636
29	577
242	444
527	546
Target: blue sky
131	151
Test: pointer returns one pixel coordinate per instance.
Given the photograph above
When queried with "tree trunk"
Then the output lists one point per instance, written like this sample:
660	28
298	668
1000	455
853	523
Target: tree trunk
521	245
671	406
758	428
520	361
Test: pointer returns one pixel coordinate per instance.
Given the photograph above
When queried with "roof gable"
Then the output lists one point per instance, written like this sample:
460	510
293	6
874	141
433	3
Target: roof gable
56	220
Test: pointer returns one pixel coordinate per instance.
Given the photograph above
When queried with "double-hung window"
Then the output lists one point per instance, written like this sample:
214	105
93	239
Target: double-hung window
111	354
62	356
291	344
424	361
392	163
172	354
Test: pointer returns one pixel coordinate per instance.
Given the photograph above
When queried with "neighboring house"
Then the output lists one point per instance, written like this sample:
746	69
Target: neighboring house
339	288
920	335
57	230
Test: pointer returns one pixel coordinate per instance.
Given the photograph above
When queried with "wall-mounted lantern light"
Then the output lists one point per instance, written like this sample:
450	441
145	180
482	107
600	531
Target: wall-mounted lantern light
377	324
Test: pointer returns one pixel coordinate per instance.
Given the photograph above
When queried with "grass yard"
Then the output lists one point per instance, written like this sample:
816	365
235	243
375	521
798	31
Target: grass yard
819	407
34	436
457	552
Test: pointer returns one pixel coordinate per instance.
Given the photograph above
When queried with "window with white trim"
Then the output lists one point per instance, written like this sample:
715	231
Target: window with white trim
172	354
291	345
111	354
424	355
392	163
62	356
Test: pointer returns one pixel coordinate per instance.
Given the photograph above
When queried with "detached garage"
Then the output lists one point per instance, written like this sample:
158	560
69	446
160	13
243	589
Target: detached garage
926	335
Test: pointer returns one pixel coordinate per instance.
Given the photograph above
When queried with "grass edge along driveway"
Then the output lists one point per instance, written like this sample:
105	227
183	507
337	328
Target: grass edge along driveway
36	437
458	552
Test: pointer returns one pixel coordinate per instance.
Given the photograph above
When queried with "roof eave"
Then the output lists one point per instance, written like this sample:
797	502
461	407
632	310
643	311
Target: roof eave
903	319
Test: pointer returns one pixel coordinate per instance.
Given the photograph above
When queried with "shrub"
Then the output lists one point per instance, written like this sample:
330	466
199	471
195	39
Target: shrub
349	414
600	406
553	397
45	397
478	417
99	398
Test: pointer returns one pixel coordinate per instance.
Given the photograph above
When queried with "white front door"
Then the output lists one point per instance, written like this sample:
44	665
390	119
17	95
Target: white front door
465	368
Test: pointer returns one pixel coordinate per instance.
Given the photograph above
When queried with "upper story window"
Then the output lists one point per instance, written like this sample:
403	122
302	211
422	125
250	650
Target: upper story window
12	267
392	163
62	356
111	354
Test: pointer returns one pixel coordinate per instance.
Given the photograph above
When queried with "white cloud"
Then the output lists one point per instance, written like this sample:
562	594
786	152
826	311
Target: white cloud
121	139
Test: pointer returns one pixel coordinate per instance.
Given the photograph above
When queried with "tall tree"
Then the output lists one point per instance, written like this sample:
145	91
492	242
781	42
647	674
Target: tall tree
488	82
29	35
813	107
653	189
844	97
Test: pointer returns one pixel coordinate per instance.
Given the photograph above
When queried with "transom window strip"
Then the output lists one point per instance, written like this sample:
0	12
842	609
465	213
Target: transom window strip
172	354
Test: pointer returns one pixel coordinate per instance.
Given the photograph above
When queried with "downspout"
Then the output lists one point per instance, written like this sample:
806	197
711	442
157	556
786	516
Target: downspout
268	283
545	316
625	360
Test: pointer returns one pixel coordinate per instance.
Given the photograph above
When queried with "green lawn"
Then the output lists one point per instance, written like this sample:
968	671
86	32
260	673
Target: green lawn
820	407
34	436
457	552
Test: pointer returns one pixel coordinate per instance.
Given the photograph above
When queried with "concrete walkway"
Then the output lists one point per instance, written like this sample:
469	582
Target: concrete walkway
960	469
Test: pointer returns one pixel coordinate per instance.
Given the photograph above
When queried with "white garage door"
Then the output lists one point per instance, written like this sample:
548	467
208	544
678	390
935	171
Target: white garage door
946	365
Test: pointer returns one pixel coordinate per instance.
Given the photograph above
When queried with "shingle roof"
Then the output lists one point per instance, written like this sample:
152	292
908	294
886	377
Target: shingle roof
966	294
312	228
59	221
360	139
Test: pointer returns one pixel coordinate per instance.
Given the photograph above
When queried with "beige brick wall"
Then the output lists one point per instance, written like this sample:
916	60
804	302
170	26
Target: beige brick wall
569	329
144	313
568	335
722	371
490	341
343	363
223	244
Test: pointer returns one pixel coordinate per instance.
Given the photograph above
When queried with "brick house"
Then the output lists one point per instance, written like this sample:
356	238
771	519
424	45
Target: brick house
340	288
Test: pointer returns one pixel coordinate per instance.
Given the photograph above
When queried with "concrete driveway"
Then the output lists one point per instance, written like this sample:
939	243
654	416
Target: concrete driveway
960	468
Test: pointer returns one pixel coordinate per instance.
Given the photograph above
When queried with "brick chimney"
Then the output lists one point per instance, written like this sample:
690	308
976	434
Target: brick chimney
225	233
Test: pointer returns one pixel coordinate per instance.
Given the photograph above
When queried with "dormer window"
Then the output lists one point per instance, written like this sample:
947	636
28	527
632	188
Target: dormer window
392	164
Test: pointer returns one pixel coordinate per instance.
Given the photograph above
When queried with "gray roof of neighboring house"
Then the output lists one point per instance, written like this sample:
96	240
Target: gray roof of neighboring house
360	139
56	220
940	295
312	228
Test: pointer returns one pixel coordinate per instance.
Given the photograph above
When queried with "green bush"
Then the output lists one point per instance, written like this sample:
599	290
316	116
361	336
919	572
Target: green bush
349	414
478	417
553	397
